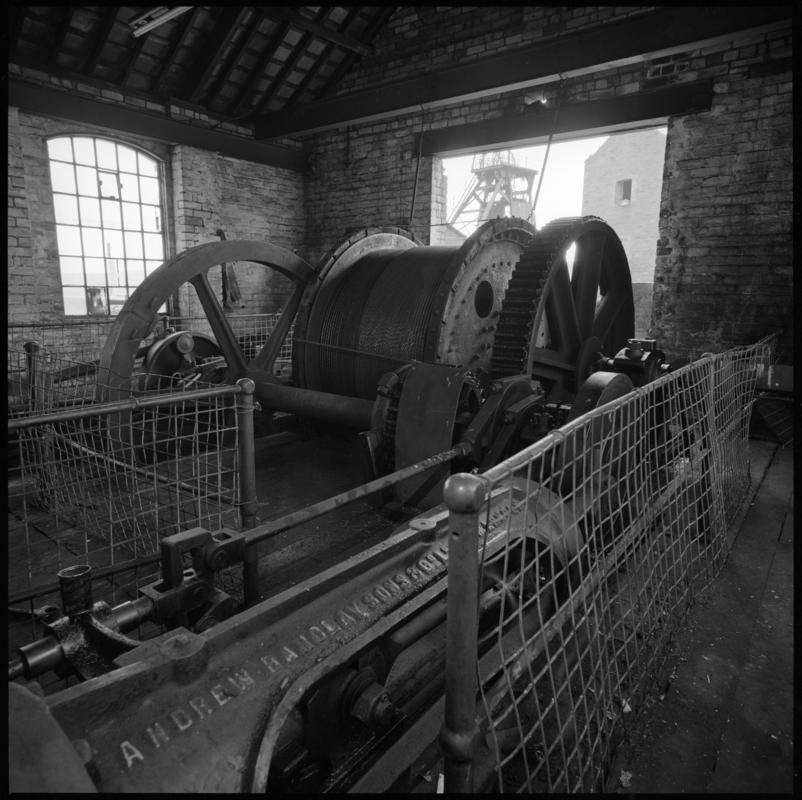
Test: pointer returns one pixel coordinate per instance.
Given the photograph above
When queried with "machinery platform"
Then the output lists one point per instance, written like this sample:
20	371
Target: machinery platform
725	721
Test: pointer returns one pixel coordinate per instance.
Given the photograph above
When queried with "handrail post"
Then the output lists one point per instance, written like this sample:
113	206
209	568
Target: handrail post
31	349
247	477
464	495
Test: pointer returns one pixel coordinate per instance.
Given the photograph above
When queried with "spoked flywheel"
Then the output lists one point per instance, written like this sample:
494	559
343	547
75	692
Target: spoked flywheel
138	316
556	319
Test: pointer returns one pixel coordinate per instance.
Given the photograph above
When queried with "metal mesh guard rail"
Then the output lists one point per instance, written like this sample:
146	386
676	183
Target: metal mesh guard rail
102	484
611	525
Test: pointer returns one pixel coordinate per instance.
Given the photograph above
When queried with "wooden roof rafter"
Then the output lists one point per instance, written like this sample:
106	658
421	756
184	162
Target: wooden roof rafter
311	25
99	39
186	26
231	20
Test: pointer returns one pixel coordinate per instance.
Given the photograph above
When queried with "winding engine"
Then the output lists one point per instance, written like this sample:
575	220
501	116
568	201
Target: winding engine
440	360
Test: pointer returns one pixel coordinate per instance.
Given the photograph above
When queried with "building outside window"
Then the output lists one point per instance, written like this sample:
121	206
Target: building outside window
107	199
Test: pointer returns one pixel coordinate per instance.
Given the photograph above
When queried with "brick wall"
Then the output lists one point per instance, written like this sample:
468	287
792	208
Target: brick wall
366	176
19	259
724	267
246	201
422	38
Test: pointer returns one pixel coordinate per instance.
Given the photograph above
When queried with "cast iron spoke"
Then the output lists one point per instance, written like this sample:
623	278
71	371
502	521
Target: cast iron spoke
585	279
561	313
607	312
226	339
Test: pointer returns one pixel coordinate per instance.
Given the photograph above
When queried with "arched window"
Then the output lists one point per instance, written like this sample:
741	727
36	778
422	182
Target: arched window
108	206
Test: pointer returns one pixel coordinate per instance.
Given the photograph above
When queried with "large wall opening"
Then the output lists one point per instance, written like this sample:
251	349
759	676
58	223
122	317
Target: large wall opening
617	177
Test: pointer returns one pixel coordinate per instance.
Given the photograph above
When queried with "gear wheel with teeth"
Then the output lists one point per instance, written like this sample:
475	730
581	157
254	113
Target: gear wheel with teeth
556	318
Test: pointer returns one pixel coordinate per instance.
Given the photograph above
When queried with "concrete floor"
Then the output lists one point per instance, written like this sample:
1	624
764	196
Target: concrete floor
725	723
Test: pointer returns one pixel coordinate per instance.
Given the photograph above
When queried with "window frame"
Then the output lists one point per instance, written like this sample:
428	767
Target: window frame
119	233
623	198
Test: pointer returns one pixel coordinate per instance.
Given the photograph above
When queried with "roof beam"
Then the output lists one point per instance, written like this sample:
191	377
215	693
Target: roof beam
321	59
321	31
286	68
258	71
229	21
662	32
48	102
385	12
159	84
16	17
595	117
133	54
251	30
99	41
61	34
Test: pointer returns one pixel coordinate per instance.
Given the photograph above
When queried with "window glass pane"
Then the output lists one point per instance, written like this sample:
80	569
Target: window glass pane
111	235
129	190
113	244
93	242
154	246
136	272
149	190
97	303
117	298
74	300
87	181
106	154
69	240
66	209
115	270
72	271
60	149
109	185
62	177
95	271
133	245
131	220
111	213
151	218
127	158
147	166
90	211
84	150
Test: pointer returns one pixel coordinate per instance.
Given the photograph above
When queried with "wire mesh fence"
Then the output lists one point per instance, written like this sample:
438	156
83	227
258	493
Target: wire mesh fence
610	526
102	483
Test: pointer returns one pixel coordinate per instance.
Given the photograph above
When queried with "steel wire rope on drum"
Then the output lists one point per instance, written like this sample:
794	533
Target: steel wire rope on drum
422	303
307	348
334	328
381	306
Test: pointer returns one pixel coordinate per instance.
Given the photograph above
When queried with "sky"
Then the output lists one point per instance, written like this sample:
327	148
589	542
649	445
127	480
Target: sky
561	191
